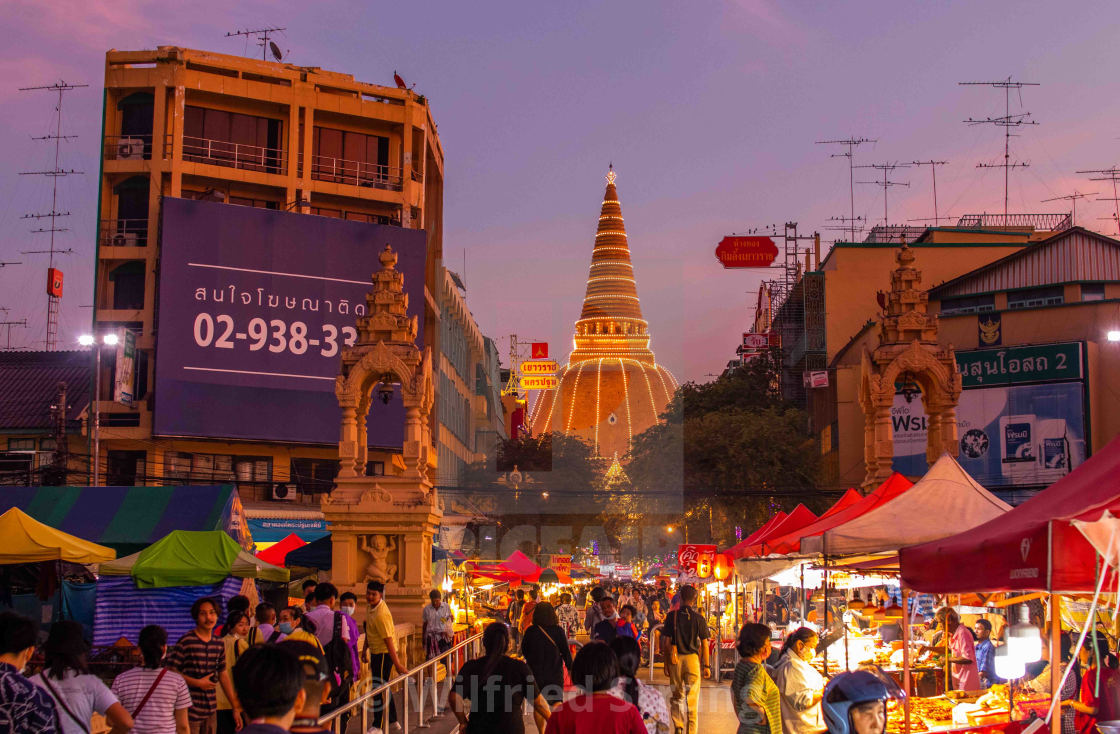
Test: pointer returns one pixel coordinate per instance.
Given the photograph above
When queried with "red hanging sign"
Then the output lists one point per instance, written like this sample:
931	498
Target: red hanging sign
695	562
540	350
54	282
752	251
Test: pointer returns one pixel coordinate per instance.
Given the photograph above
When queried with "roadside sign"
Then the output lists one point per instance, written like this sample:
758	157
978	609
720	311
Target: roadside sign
539	350
753	340
540	367
539	382
815	378
753	251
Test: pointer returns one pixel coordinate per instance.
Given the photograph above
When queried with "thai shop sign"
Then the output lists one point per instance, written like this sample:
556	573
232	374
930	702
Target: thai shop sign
1014	365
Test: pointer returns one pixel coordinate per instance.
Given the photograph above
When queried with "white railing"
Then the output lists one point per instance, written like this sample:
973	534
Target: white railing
234	155
356	173
416	676
124	232
128	147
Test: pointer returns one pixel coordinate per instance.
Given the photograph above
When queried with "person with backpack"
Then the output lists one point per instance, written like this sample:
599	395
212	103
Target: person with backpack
156	697
76	692
335	635
686	636
489	693
265	629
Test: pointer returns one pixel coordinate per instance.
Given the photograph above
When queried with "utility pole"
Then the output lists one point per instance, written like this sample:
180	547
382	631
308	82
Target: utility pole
54	285
886	183
61	447
1007	122
933	170
1072	199
1108	174
851	142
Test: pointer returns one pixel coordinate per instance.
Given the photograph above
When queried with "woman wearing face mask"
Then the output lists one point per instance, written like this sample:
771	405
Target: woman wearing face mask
799	684
293	625
235	631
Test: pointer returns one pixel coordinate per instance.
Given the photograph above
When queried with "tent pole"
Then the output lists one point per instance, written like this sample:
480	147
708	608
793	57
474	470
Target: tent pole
906	658
824	620
1055	658
804	607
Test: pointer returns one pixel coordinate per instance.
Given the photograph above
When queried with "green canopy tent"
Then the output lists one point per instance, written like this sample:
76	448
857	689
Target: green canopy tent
192	558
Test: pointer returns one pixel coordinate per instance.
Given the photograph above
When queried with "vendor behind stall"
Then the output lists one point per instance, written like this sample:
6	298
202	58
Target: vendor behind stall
799	684
961	647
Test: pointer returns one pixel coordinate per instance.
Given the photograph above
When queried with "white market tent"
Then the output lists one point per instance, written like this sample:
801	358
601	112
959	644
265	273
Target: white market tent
944	502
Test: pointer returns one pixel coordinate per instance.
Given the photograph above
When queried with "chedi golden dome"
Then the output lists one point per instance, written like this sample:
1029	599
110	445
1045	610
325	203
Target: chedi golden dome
612	388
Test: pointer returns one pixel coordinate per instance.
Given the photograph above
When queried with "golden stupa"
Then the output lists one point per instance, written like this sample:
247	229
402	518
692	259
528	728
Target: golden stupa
612	388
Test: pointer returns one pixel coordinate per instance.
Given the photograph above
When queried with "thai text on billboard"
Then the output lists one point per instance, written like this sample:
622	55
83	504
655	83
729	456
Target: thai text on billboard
254	306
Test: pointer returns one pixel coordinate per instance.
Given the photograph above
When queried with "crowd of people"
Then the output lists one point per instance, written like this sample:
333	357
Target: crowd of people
263	671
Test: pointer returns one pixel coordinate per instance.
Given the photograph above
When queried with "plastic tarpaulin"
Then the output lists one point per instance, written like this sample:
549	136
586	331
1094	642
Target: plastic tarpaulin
122	609
797	519
26	540
192	558
275	554
1034	547
128	519
939	504
795	542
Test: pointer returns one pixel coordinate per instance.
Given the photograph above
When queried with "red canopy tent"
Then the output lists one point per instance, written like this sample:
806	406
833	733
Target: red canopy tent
1033	547
850	497
276	553
894	485
761	532
797	519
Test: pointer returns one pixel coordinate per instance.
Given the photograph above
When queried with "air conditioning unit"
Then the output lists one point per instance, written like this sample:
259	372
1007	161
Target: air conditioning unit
130	149
125	239
284	492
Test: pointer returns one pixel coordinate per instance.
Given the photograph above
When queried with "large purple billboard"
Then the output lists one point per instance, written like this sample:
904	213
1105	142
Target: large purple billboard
254	306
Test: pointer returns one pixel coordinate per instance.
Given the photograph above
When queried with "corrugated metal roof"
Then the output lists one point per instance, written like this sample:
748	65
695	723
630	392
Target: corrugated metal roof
29	386
1068	257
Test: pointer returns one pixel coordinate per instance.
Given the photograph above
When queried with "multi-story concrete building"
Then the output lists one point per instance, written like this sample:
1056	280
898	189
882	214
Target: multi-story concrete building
199	125
468	387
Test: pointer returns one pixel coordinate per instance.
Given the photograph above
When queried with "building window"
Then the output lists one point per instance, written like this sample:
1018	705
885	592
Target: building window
232	139
125	468
21	444
1092	291
313	476
128	285
375	468
968	304
1033	297
354	158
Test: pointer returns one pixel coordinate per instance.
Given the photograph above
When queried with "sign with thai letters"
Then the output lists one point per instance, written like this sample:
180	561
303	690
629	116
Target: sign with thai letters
1016	365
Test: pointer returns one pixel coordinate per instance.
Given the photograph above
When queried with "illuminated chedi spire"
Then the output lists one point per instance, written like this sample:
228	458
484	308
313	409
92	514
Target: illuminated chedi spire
612	388
611	323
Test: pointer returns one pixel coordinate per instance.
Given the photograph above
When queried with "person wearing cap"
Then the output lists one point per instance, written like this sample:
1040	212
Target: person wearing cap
381	649
316	687
77	693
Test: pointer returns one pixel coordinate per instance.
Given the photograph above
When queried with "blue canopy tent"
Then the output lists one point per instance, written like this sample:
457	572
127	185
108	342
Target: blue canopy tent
316	554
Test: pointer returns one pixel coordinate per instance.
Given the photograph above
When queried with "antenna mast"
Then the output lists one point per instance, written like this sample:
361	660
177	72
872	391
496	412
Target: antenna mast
263	36
851	142
54	293
1109	175
933	170
886	183
1007	122
1072	199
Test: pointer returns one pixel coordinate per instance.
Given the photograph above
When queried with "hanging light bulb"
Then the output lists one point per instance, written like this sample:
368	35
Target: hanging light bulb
1008	665
856	603
1024	640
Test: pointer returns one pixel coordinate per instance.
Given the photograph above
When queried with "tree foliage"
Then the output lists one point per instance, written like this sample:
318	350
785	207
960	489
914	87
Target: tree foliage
733	450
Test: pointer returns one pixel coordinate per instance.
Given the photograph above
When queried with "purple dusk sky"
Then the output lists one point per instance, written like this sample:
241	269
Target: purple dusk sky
709	111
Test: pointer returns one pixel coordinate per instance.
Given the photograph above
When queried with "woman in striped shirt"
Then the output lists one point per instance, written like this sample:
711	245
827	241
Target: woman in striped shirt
753	693
156	697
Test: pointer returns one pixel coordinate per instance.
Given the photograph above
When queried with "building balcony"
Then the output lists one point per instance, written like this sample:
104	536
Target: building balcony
123	233
356	173
234	155
128	147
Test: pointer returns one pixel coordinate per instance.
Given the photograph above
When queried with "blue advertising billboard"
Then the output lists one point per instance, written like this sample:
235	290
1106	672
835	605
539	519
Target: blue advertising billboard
254	306
1010	433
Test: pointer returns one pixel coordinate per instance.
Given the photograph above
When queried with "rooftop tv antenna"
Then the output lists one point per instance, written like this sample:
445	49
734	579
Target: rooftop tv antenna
22	323
54	295
1072	199
933	170
1108	174
886	183
264	40
852	143
1007	121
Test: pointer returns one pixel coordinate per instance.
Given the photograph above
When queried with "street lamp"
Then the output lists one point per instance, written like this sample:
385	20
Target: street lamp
1114	335
89	340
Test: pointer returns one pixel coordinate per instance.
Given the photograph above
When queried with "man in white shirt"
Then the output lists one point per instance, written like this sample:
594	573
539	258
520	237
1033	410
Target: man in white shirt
437	628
